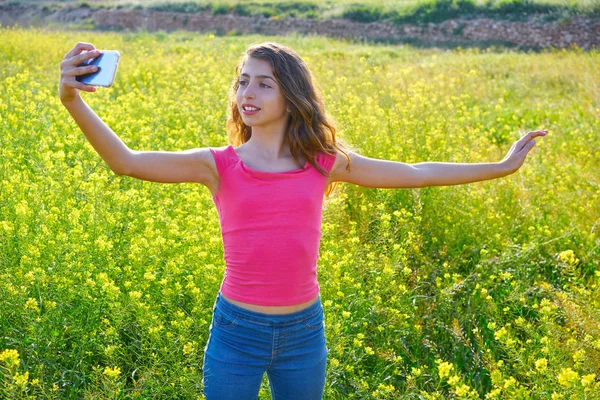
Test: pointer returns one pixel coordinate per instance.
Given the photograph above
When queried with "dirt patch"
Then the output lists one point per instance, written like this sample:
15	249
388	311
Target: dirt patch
578	32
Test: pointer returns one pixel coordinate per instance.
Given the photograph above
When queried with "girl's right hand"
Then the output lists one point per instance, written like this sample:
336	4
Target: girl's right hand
68	85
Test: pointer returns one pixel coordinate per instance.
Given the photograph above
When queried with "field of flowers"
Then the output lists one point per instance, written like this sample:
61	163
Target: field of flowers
486	290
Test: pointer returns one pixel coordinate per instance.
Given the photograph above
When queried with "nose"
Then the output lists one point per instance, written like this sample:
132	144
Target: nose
247	92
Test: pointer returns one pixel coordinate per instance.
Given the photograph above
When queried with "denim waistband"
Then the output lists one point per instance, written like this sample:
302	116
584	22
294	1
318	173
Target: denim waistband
258	317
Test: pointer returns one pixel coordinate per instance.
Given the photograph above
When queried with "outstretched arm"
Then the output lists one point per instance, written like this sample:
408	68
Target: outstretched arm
194	165
374	173
445	174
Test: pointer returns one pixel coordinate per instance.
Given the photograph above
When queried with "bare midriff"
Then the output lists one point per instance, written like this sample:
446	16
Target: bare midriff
272	309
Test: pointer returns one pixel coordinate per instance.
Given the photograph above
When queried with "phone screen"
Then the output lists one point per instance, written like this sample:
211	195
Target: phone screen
107	63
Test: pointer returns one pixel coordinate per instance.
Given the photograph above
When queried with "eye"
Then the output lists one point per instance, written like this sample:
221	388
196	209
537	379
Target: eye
243	83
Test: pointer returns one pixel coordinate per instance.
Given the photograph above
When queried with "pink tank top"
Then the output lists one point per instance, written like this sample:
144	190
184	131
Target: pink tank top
271	230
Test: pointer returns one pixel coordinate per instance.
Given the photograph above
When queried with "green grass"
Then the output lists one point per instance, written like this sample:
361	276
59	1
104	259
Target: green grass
487	290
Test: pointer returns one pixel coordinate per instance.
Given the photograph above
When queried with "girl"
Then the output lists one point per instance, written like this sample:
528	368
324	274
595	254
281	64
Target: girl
268	191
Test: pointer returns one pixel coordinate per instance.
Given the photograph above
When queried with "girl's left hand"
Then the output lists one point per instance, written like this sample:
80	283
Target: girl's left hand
519	150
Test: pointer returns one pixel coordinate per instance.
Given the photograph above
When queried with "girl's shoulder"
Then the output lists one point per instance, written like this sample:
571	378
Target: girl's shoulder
224	156
325	160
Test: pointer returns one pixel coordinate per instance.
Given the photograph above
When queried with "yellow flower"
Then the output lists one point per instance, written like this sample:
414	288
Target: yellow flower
135	295
510	382
386	388
10	357
568	256
500	334
21	379
188	348
587	380
112	373
462	390
444	369
567	376
579	355
541	364
453	380
32	304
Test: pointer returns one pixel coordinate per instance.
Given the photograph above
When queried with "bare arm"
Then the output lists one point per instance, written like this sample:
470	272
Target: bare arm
195	165
110	147
446	174
375	173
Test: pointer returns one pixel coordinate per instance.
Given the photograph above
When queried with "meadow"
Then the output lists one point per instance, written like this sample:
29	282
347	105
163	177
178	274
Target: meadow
486	290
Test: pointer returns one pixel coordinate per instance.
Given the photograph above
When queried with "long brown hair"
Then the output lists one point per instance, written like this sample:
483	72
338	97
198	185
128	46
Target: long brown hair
309	130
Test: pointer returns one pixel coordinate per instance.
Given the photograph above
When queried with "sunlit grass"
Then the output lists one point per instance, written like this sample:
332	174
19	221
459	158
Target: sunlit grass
487	290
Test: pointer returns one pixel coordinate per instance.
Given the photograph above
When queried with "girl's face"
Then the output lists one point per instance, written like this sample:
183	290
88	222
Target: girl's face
257	87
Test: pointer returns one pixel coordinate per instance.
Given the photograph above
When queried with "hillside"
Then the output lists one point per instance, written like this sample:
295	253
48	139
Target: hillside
437	23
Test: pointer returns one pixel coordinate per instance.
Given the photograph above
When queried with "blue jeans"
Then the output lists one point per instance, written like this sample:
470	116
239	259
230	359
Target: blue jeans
244	344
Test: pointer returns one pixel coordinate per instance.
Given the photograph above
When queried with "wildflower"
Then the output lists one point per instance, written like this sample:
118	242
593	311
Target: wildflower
587	380
21	379
112	373
444	369
109	350
567	376
568	256
453	380
541	364
386	388
32	304
500	334
579	356
149	276
10	357
135	295
462	390
510	382
188	348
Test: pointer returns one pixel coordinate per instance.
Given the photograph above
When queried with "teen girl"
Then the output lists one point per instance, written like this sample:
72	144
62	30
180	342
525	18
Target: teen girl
268	191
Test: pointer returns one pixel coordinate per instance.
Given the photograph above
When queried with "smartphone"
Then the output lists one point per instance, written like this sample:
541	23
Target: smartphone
107	63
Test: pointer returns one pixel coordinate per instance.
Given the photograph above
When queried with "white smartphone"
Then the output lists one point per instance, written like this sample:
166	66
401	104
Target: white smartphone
107	63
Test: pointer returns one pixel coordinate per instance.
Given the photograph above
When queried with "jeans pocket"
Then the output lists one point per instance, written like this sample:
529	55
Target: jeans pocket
222	319
315	321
